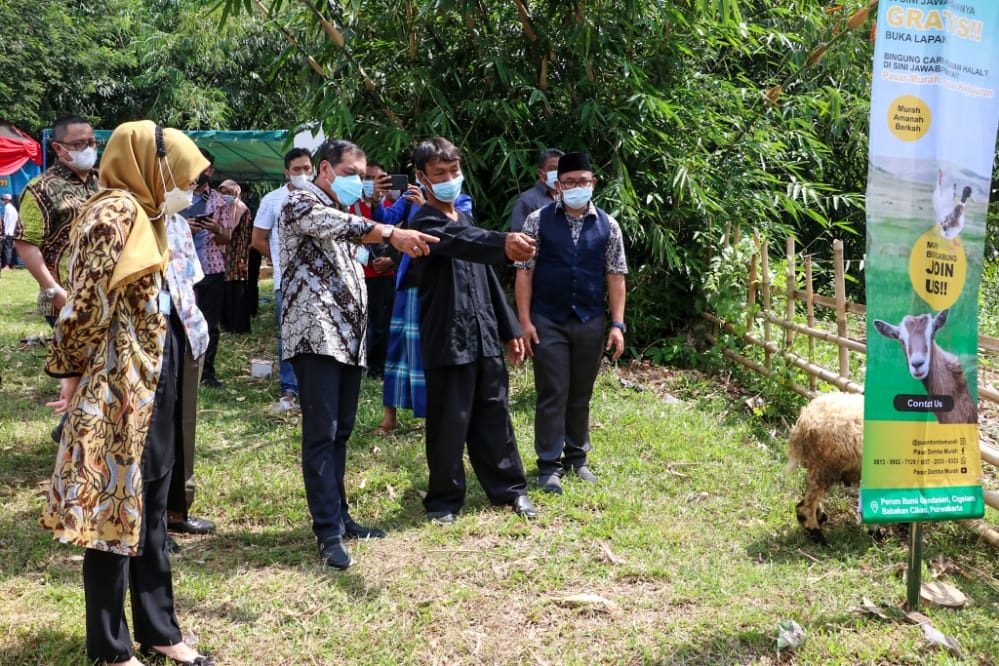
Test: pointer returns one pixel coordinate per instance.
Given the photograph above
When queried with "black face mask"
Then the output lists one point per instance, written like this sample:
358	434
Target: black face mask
203	179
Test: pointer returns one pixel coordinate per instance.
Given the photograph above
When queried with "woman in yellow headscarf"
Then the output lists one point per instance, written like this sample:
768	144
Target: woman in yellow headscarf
115	352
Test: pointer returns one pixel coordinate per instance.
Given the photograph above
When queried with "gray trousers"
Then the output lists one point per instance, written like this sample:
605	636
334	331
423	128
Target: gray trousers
566	363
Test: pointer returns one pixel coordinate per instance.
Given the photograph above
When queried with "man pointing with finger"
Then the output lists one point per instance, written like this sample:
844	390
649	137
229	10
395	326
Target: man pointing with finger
560	296
465	322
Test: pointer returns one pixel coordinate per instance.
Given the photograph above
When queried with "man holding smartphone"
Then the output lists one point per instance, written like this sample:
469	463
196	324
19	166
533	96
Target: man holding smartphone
210	219
379	261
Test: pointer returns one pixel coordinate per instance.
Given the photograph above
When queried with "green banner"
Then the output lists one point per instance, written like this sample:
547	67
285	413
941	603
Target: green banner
932	138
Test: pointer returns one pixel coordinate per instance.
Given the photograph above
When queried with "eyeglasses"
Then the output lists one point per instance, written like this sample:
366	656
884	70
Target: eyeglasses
570	183
79	145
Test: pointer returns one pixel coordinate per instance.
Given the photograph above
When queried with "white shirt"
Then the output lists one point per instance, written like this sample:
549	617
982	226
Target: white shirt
267	217
9	218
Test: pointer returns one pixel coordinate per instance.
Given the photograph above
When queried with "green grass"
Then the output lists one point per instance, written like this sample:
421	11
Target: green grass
690	535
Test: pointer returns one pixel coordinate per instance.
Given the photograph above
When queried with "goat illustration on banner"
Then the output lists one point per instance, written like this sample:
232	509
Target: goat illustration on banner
933	123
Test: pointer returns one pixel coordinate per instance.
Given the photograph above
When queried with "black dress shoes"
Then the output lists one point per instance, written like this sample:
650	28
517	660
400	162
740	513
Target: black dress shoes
352	530
441	517
191	525
211	381
151	655
334	553
550	483
522	506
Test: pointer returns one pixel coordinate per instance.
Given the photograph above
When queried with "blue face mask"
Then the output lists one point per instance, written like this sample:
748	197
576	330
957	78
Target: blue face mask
449	190
347	189
577	197
369	188
550	178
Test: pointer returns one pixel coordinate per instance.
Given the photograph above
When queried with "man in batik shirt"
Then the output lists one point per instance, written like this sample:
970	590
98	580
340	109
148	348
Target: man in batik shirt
49	202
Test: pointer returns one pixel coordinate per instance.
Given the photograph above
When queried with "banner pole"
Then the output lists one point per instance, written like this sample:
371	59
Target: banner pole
915	565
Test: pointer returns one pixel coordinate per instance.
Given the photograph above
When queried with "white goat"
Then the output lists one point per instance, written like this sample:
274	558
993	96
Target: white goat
939	371
828	441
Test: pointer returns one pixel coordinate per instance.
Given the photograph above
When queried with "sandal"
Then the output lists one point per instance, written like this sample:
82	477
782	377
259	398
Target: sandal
154	656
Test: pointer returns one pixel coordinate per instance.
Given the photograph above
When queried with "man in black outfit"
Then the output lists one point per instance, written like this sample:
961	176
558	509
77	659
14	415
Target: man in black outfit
465	321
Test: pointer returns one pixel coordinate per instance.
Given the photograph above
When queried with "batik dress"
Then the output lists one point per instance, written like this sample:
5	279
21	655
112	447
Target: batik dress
113	340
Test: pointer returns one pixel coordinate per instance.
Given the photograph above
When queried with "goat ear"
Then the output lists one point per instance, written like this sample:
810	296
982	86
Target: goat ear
940	320
886	329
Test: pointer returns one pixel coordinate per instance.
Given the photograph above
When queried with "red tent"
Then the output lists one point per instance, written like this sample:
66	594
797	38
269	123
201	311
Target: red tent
20	158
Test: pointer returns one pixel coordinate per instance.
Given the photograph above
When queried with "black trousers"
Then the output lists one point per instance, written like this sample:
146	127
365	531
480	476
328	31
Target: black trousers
328	394
106	576
566	364
235	314
381	296
8	257
252	280
210	296
470	403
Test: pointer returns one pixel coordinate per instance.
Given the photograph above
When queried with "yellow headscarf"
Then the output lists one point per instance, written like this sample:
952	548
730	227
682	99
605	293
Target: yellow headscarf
133	166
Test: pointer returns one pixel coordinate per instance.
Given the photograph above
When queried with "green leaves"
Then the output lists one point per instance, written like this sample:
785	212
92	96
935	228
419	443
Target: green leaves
700	115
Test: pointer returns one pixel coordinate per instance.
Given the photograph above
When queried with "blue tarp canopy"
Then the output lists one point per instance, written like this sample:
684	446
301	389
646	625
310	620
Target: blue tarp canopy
244	156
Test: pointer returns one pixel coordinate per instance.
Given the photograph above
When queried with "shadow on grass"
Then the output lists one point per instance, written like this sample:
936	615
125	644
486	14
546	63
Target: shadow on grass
24	465
293	550
26	546
846	540
752	645
43	647
744	647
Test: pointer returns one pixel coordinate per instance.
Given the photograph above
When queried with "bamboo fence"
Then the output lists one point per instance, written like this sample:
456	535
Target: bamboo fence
846	331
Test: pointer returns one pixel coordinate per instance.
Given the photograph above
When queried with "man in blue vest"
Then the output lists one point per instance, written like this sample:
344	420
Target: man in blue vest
562	293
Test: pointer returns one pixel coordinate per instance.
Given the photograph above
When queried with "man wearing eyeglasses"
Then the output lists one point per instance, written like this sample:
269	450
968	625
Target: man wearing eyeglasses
562	293
49	203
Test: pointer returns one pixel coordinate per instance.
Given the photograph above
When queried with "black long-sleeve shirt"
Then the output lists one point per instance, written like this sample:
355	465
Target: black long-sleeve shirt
464	314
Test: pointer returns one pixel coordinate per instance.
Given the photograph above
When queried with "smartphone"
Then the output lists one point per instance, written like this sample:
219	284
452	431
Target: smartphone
400	181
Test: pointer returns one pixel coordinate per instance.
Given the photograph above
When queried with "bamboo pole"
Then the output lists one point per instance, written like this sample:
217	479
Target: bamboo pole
841	325
765	279
830	302
817	333
988	534
753	280
757	368
990	454
294	42
827	376
989	343
791	279
810	314
991	498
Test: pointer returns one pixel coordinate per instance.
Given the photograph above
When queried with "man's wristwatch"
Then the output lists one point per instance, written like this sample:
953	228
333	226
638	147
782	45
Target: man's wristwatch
51	292
619	324
387	230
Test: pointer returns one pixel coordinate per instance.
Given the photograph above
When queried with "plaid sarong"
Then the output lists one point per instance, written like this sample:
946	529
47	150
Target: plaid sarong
405	386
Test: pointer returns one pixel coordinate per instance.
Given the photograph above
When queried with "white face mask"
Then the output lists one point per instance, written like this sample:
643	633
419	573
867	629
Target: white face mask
299	181
83	159
176	199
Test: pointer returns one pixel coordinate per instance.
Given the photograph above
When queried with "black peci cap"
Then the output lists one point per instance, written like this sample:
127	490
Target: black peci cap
573	162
